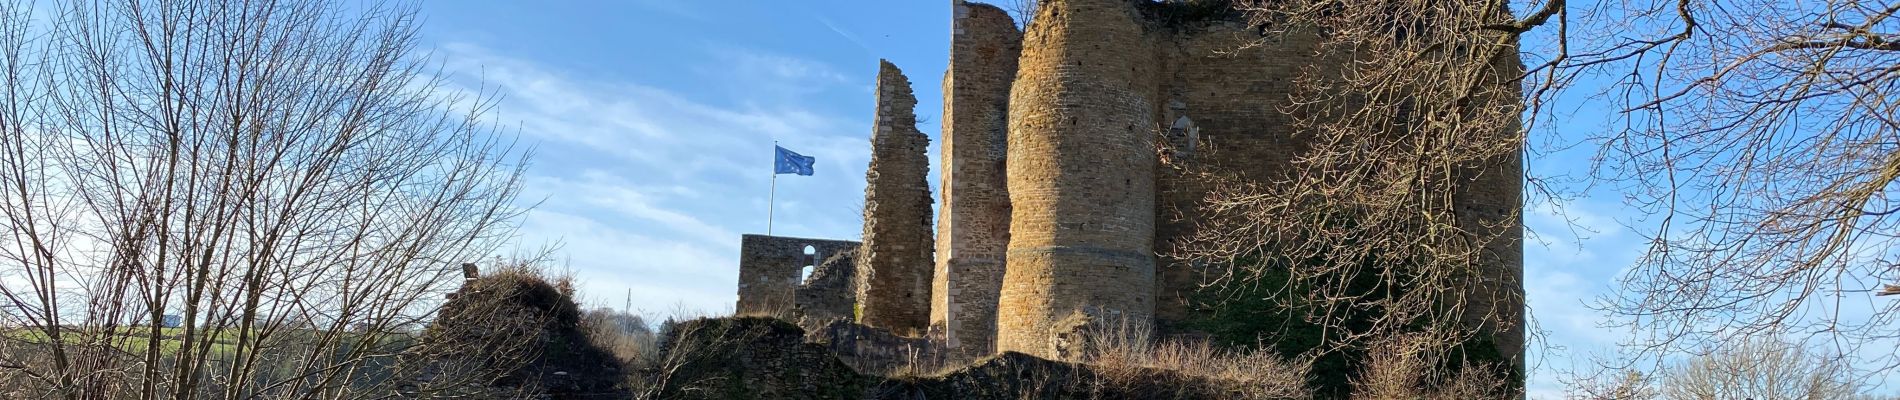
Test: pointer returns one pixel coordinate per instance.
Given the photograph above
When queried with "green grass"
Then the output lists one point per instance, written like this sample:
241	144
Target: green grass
135	340
128	339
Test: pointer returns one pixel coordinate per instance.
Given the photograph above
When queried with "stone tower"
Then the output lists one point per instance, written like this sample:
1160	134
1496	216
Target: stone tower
973	224
1081	172
894	269
1490	201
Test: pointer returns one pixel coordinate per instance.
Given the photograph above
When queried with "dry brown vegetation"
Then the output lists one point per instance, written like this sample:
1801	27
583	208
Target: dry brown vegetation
1756	138
628	336
1374	233
1126	351
755	356
1403	367
516	331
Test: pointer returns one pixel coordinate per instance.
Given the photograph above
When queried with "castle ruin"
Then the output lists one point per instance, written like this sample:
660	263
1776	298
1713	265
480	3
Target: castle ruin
894	268
1054	203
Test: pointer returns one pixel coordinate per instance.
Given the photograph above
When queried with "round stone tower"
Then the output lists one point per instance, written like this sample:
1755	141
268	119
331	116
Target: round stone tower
1081	175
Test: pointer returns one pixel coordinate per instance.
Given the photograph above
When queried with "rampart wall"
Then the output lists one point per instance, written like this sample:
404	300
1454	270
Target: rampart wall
830	292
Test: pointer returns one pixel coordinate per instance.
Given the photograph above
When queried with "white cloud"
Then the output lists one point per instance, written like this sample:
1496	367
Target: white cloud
1573	251
648	189
847	35
779	70
658	272
605	196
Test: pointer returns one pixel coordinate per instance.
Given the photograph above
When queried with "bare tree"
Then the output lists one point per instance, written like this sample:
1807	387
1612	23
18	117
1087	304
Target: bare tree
1022	10
1761	136
1762	368
1378	226
284	181
1614	385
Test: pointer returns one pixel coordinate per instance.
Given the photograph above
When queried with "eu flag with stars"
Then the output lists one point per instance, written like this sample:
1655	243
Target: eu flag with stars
788	162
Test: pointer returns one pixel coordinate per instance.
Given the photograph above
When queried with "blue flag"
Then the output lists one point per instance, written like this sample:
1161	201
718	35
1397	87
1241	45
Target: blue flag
788	162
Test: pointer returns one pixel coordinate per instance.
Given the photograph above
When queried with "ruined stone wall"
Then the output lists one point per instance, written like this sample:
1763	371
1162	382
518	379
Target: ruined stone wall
830	293
1081	172
876	351
770	269
894	269
973	223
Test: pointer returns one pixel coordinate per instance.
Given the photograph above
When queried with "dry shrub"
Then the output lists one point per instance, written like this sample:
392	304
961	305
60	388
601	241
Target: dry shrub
526	331
1613	385
1405	367
624	334
782	312
916	364
1125	351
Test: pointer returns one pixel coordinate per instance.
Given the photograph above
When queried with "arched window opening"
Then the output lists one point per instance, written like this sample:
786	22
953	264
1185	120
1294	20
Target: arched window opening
811	261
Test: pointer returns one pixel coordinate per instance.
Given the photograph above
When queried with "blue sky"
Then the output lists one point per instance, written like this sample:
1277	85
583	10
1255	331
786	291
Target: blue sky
654	122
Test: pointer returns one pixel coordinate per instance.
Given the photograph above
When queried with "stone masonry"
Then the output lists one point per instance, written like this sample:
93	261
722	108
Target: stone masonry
1081	174
770	269
1055	208
830	292
1218	92
973	224
1095	82
894	270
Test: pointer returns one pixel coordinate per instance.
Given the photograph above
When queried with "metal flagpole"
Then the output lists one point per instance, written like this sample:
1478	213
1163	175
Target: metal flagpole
771	205
771	200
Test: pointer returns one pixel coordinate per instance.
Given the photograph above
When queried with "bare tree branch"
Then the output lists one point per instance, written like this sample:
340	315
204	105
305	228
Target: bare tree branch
232	200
